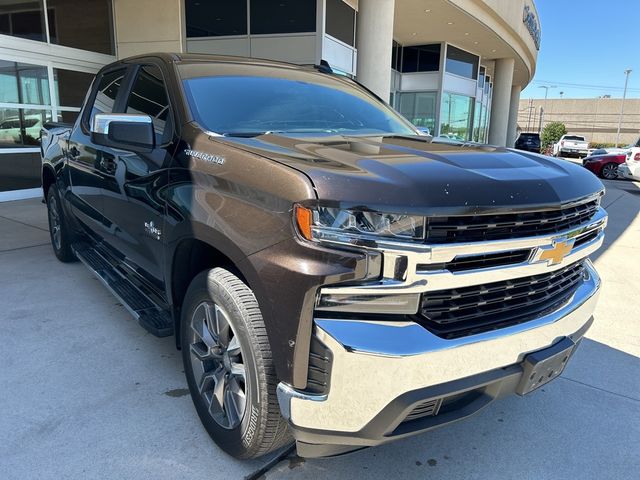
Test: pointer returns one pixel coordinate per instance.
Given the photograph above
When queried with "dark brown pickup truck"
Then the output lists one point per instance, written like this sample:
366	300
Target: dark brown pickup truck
330	274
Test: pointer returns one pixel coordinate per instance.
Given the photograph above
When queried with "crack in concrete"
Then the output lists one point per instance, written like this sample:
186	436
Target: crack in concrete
600	389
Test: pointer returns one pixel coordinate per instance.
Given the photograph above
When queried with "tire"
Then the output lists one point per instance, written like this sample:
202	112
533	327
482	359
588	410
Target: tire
61	236
224	342
609	171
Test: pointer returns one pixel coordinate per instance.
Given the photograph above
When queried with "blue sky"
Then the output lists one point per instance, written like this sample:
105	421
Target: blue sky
586	46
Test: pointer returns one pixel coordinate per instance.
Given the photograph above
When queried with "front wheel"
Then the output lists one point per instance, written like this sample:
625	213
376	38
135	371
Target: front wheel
227	361
609	171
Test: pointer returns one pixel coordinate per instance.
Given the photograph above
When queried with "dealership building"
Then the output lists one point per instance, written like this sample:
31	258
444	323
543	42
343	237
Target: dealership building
455	67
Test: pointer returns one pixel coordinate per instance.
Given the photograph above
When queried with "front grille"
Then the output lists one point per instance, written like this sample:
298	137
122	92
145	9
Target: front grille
478	228
470	310
473	262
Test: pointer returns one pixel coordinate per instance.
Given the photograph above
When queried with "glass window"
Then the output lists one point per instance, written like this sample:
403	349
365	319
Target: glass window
23	18
24	83
20	127
71	87
409	59
283	16
481	78
303	103
341	21
396	50
456	114
149	96
19	170
108	89
419	108
85	24
421	58
462	63
477	116
215	18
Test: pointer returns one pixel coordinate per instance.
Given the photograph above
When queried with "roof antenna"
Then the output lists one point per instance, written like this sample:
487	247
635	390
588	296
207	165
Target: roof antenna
324	67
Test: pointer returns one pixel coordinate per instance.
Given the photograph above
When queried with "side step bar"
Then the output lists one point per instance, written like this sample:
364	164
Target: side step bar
149	314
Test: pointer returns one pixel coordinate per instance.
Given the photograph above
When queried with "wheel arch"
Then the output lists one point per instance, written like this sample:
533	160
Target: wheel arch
191	256
48	178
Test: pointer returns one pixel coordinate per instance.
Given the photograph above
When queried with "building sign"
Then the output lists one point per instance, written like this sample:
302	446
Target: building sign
533	25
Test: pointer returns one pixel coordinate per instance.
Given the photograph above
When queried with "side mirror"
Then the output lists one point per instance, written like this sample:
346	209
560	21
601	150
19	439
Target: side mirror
124	131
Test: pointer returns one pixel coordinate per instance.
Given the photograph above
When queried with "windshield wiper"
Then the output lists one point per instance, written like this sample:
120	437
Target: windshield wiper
250	134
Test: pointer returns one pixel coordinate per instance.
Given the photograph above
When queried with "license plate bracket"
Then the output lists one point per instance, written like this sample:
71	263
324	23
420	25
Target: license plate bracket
543	366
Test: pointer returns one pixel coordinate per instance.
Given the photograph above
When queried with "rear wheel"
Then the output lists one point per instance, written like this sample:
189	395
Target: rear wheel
228	365
609	171
61	237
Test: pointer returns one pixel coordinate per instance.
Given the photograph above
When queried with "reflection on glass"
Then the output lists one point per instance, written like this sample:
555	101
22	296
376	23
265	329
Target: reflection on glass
21	127
24	83
462	63
456	116
85	24
71	87
282	16
419	108
215	19
23	18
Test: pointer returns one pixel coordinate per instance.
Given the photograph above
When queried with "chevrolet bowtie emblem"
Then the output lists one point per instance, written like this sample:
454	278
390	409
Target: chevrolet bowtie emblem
555	253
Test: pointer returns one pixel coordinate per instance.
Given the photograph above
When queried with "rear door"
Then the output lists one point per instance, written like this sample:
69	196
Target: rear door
89	163
134	204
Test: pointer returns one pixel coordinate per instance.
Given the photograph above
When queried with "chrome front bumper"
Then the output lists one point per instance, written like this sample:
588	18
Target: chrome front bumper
375	363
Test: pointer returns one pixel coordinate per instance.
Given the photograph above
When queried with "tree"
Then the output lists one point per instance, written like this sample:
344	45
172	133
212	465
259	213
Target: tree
551	133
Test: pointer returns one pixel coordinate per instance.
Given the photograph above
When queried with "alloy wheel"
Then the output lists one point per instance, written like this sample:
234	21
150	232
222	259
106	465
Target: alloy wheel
610	171
218	366
54	222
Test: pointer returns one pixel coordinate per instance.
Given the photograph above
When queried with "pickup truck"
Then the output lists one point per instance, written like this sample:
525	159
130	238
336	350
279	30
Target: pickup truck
331	275
569	145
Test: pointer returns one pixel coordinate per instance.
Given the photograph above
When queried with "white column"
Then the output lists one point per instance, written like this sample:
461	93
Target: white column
374	37
502	81
513	115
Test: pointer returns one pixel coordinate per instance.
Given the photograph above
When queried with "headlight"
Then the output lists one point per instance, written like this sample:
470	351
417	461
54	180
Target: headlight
334	224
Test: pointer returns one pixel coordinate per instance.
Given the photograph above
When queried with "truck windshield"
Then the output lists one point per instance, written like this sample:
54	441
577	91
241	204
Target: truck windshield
251	105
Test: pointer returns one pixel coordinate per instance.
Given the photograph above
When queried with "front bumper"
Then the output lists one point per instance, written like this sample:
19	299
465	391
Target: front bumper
381	371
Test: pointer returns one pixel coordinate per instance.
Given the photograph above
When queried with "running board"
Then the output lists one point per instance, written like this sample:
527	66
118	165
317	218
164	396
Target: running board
149	314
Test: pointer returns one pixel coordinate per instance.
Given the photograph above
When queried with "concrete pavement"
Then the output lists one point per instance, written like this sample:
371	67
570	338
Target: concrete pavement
87	393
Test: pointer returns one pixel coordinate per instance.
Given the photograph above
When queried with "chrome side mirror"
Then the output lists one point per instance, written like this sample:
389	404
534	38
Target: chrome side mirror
124	131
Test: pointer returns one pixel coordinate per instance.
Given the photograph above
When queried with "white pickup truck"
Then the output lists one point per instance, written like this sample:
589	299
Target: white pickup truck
571	145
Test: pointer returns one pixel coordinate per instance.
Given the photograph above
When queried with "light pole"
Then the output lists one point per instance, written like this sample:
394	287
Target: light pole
544	108
624	95
561	94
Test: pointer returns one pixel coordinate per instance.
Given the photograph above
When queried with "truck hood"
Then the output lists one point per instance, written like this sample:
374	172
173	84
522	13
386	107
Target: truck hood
413	175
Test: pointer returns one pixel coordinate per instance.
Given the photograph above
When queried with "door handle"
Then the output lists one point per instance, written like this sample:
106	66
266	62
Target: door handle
74	152
108	164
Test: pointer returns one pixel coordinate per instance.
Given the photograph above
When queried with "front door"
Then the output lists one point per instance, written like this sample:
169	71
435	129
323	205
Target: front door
133	199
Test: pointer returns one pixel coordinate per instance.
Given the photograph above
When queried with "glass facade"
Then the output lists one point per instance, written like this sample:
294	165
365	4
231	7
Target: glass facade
445	113
456	114
341	21
419	108
220	18
37	90
85	24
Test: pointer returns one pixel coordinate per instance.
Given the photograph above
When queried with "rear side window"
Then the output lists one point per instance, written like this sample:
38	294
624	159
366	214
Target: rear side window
107	92
149	97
